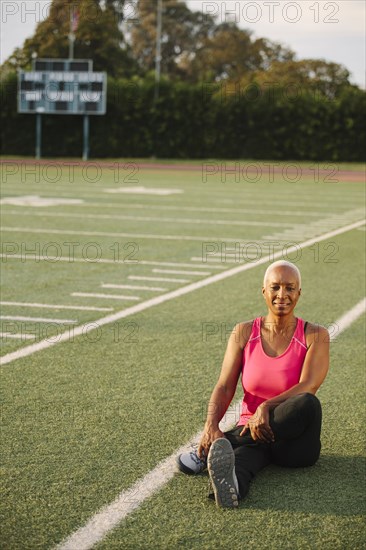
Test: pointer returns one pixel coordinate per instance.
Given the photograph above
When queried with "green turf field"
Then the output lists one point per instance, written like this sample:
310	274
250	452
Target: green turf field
84	419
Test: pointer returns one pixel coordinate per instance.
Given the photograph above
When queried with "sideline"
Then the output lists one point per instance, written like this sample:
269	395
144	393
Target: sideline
127	501
85	328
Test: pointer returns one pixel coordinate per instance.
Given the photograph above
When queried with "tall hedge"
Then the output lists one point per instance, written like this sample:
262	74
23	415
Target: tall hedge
196	121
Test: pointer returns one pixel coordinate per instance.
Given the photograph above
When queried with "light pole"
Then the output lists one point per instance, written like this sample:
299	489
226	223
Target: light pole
159	24
72	33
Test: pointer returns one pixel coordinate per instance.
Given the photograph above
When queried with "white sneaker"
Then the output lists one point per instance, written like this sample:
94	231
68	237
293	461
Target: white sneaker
221	469
190	463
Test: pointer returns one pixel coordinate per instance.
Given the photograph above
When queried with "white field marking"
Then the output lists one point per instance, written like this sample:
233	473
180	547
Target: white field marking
175	264
180	272
35	319
318	226
110	296
225	260
129	500
135	287
190	221
17	336
291	213
203	209
128	235
71	260
95	192
158	279
142	306
215	196
348	318
144	191
55	306
207	260
362	228
37	201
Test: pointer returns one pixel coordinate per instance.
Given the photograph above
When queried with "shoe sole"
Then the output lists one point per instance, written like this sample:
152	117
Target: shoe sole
221	463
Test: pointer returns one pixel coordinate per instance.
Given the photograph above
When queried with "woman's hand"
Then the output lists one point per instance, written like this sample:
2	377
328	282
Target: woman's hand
259	427
210	434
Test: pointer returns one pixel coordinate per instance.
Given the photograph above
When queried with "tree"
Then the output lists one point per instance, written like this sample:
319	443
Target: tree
183	33
229	53
316	75
98	36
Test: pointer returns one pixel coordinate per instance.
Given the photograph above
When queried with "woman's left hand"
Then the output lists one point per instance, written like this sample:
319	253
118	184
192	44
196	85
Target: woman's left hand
259	427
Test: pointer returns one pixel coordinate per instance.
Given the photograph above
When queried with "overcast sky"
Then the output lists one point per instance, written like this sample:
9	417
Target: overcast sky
334	31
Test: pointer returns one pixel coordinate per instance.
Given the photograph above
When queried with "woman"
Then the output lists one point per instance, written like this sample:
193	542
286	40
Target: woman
282	361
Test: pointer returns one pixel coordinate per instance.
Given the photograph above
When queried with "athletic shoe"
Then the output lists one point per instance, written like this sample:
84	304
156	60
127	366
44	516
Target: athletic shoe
191	463
221	469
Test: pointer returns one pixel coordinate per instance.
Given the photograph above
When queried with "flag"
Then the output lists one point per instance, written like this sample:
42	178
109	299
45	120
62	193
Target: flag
74	19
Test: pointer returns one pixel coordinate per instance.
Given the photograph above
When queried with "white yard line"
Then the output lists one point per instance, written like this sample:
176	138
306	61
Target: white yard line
348	318
130	206
56	306
72	259
292	213
110	296
6	335
142	306
76	232
129	500
241	259
35	319
159	279
111	515
176	264
250	197
190	221
135	287
180	272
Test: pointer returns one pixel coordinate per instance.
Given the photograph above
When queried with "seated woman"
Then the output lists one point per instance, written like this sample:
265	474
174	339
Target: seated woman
282	361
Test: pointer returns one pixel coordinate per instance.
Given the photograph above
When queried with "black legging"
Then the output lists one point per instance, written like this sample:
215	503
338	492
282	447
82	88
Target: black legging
296	424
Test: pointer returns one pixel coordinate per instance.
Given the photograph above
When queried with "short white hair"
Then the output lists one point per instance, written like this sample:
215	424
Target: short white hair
282	263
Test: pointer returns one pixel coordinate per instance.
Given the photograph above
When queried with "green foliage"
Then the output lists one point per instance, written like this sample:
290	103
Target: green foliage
199	121
184	35
98	36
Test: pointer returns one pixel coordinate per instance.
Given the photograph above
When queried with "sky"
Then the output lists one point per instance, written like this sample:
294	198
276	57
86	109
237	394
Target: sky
321	29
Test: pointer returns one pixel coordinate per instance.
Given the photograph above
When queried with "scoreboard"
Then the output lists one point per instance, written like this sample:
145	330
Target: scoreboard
62	86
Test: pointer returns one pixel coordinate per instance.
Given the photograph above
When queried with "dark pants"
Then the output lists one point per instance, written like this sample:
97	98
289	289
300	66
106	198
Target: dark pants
296	424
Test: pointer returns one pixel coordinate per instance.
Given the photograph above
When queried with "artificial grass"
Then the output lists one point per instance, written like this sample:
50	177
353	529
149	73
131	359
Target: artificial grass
85	419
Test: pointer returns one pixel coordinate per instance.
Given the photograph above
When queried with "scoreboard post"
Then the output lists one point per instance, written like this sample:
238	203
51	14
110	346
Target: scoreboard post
62	87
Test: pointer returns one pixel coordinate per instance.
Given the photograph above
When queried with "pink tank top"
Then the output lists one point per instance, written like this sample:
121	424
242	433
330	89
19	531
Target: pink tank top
264	377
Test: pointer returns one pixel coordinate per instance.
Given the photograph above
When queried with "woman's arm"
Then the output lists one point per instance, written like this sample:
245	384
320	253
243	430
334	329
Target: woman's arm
314	371
225	388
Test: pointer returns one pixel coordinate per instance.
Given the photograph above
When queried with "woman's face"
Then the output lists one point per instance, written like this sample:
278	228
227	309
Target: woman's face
281	290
